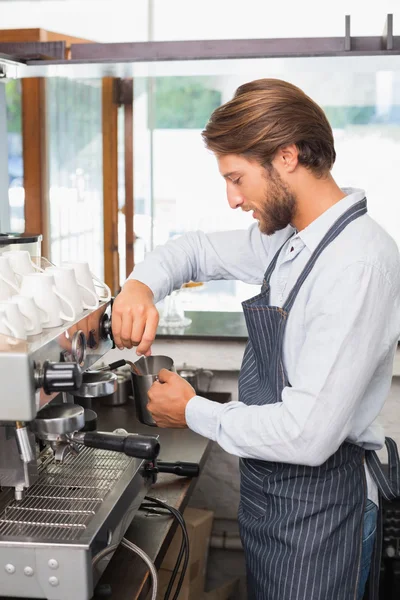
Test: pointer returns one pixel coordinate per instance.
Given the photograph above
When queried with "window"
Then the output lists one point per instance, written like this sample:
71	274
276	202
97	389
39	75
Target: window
177	184
75	171
16	194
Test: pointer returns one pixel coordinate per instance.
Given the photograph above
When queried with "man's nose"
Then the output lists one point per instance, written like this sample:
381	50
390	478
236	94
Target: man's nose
235	199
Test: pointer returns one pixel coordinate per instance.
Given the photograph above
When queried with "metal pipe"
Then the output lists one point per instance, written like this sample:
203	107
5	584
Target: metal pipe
23	442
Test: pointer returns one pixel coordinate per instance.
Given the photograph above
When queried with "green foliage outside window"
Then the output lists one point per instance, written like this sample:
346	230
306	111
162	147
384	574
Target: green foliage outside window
184	102
180	103
340	116
13	102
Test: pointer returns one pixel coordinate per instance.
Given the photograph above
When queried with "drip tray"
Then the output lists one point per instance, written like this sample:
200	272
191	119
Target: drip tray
65	498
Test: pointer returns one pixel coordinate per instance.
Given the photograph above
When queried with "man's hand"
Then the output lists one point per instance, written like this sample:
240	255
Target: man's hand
168	398
135	317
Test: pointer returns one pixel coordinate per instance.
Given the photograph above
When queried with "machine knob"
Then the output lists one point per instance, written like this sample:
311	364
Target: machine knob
59	377
106	329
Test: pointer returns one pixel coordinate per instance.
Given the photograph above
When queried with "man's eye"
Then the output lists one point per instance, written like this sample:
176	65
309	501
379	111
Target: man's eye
237	181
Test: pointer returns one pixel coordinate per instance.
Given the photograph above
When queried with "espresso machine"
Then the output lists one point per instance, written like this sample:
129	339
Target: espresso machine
66	493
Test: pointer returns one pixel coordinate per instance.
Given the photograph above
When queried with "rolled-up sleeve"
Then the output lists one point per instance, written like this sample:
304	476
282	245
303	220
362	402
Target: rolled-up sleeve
242	255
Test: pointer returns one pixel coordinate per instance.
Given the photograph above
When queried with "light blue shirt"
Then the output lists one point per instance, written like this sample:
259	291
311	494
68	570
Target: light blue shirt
340	338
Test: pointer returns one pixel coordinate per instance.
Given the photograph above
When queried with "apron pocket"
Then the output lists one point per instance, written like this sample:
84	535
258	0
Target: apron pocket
253	500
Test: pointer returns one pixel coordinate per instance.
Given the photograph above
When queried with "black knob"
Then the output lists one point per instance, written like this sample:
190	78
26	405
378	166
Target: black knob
105	327
61	377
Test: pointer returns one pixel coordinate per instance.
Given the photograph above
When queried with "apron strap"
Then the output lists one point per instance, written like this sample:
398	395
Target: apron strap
272	264
357	210
389	485
372	587
389	488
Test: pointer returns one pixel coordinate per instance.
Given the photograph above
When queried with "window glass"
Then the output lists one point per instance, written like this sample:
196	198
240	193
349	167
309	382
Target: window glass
16	193
75	171
177	184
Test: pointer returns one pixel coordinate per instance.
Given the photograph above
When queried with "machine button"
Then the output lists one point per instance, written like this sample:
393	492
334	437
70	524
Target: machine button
28	571
78	344
10	569
53	564
53	581
390	551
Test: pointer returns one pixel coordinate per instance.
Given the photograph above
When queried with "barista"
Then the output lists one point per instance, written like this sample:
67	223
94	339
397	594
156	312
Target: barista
323	331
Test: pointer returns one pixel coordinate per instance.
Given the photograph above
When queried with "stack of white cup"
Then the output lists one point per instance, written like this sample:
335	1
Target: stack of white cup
33	299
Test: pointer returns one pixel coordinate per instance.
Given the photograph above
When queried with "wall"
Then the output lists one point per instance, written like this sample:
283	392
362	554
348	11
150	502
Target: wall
127	20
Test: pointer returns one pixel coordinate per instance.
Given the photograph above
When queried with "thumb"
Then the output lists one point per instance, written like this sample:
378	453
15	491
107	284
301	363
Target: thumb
165	376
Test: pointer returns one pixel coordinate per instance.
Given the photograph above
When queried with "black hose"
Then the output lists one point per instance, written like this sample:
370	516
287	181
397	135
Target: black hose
184	549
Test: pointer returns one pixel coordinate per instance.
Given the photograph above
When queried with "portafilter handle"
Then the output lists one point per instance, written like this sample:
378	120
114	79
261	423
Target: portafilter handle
138	446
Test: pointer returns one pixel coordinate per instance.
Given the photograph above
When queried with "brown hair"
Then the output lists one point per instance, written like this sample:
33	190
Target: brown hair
266	115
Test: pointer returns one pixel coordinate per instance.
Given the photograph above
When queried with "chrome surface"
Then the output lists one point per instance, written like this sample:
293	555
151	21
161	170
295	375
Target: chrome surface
78	347
152	365
15	473
63	449
65	498
57	344
124	390
64	506
58	524
97	384
58	420
149	367
24	445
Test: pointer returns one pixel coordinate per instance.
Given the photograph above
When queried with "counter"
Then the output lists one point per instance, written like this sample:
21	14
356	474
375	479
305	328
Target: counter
126	573
209	325
213	329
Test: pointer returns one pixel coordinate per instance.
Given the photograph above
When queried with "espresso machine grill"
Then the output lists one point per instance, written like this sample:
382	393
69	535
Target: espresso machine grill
55	517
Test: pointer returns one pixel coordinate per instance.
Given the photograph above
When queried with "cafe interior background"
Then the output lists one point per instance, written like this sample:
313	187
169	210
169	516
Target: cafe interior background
109	167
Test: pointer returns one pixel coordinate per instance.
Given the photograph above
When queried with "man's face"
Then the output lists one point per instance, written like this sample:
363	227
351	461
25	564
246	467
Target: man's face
261	190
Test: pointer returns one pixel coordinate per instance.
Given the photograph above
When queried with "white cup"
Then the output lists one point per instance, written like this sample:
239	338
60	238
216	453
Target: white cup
21	263
41	287
67	283
11	320
5	291
7	277
31	314
85	278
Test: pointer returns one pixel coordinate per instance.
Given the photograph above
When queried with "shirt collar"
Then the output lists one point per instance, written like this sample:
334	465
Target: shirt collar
313	233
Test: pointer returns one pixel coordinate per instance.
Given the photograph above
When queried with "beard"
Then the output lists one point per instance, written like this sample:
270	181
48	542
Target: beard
279	207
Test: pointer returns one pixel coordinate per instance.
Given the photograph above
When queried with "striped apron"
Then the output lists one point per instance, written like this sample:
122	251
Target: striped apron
301	526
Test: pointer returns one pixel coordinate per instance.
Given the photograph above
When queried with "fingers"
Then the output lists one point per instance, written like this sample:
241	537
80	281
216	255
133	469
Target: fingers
149	333
165	376
134	318
116	323
138	325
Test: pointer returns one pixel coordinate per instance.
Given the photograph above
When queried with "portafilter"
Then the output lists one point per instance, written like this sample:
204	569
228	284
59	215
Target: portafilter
59	424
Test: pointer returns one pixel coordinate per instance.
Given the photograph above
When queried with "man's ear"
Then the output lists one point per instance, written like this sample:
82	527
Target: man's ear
287	158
